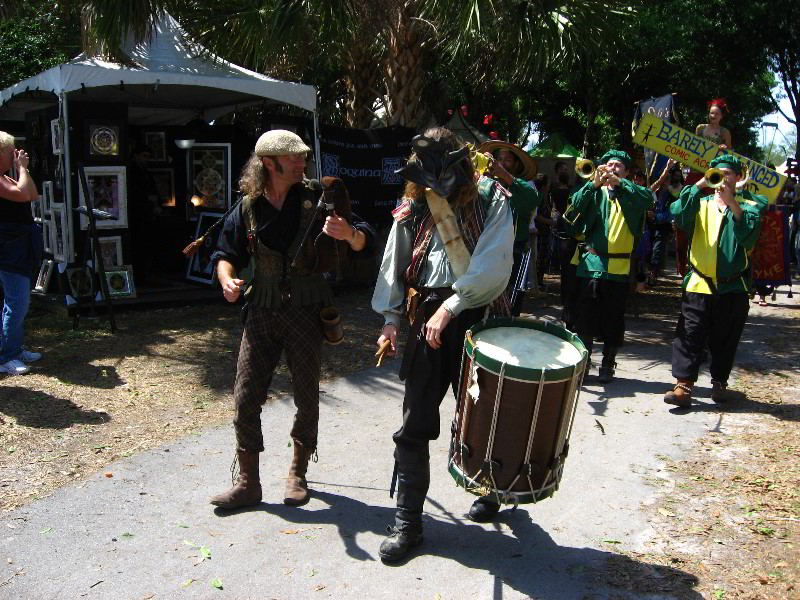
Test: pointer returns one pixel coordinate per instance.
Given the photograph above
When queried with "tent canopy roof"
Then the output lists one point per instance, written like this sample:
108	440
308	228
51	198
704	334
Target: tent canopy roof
463	130
555	146
167	74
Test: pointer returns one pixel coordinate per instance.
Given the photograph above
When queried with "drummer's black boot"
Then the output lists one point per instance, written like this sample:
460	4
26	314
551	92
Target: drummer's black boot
484	509
606	371
413	479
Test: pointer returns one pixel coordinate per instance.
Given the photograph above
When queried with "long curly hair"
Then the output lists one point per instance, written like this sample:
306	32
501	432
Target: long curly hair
466	194
254	177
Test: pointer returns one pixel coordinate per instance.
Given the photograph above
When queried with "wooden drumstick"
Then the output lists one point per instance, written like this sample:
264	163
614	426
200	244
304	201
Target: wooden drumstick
382	351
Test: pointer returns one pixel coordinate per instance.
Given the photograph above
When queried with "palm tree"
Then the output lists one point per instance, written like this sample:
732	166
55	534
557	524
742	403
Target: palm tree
373	43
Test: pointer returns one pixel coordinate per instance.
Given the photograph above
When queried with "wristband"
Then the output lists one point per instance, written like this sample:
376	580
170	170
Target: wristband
449	311
355	234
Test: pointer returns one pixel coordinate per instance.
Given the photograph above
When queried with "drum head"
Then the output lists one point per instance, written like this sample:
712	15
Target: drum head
527	348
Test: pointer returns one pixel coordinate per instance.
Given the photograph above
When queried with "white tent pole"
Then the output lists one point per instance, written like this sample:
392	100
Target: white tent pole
69	233
318	174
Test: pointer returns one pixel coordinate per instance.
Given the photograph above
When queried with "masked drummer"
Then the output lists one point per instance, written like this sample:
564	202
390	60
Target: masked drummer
416	260
609	211
722	229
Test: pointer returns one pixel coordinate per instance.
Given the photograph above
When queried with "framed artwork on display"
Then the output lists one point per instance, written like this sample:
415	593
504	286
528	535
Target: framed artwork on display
47	197
209	169
108	191
106	140
120	282
60	243
36	210
57	135
47	235
157	140
45	274
80	281
164	179
110	251
200	268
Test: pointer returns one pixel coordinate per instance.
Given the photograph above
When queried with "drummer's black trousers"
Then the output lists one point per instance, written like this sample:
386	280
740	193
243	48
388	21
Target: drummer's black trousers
428	372
717	320
601	311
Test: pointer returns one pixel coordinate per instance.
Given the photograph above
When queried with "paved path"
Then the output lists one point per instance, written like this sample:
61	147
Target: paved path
138	534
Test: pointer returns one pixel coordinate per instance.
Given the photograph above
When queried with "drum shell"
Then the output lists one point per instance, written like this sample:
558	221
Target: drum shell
516	412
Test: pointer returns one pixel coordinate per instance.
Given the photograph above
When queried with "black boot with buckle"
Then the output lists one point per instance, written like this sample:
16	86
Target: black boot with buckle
606	371
413	479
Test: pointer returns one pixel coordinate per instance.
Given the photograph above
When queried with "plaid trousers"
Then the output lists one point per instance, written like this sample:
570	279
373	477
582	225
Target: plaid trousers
267	333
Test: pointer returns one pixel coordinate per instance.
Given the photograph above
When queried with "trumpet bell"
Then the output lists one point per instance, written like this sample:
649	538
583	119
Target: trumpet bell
715	178
480	161
584	168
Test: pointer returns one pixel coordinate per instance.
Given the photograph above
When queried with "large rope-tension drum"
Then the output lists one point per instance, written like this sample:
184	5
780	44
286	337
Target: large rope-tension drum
520	381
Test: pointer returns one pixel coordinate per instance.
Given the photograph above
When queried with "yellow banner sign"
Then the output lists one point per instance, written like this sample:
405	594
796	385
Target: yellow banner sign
696	153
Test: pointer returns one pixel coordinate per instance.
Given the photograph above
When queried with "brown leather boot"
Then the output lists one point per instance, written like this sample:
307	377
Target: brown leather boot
296	486
247	489
681	395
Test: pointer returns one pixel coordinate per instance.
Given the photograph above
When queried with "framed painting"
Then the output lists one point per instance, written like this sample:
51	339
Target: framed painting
47	197
106	140
108	191
209	169
47	235
200	268
120	282
57	136
58	220
110	251
164	179
36	210
44	277
157	140
80	281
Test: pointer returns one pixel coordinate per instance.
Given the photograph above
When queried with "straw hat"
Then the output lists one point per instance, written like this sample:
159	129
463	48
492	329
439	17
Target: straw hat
529	169
280	142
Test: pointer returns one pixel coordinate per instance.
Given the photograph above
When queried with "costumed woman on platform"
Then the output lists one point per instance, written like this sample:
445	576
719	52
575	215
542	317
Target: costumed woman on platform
284	299
449	289
714	132
722	229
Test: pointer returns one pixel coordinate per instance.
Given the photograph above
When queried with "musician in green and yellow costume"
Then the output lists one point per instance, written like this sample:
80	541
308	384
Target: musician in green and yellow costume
609	211
722	229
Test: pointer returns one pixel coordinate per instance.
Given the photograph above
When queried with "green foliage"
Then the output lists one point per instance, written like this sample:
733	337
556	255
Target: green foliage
32	40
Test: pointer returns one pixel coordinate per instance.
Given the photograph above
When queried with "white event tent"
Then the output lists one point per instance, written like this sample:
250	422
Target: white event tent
169	80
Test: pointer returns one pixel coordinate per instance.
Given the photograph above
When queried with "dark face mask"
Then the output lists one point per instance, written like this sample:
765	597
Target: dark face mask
436	166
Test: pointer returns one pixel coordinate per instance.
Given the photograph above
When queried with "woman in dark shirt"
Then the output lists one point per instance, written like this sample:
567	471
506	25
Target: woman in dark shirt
16	254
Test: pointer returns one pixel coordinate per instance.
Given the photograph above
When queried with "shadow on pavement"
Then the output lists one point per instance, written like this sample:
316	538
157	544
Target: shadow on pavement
37	409
527	560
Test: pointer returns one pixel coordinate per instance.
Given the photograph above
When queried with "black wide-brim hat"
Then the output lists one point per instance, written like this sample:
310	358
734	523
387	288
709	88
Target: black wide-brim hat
437	166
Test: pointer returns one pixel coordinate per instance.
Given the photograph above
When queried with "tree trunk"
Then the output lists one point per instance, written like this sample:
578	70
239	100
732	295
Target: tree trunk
363	72
404	66
587	138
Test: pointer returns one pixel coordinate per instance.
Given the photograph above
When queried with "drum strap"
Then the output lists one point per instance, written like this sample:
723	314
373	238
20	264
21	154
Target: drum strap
394	481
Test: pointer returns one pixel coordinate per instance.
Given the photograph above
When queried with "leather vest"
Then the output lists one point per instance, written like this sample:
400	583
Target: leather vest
275	279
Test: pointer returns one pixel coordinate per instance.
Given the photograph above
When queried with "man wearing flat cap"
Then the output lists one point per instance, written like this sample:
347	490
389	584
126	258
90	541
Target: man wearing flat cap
514	168
454	288
283	299
609	211
722	228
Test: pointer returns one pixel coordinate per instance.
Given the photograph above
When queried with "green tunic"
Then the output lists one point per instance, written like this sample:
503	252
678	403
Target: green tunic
524	200
720	245
609	226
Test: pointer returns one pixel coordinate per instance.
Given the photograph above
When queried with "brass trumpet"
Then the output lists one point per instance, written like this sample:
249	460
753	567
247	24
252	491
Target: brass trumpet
584	168
715	178
480	161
